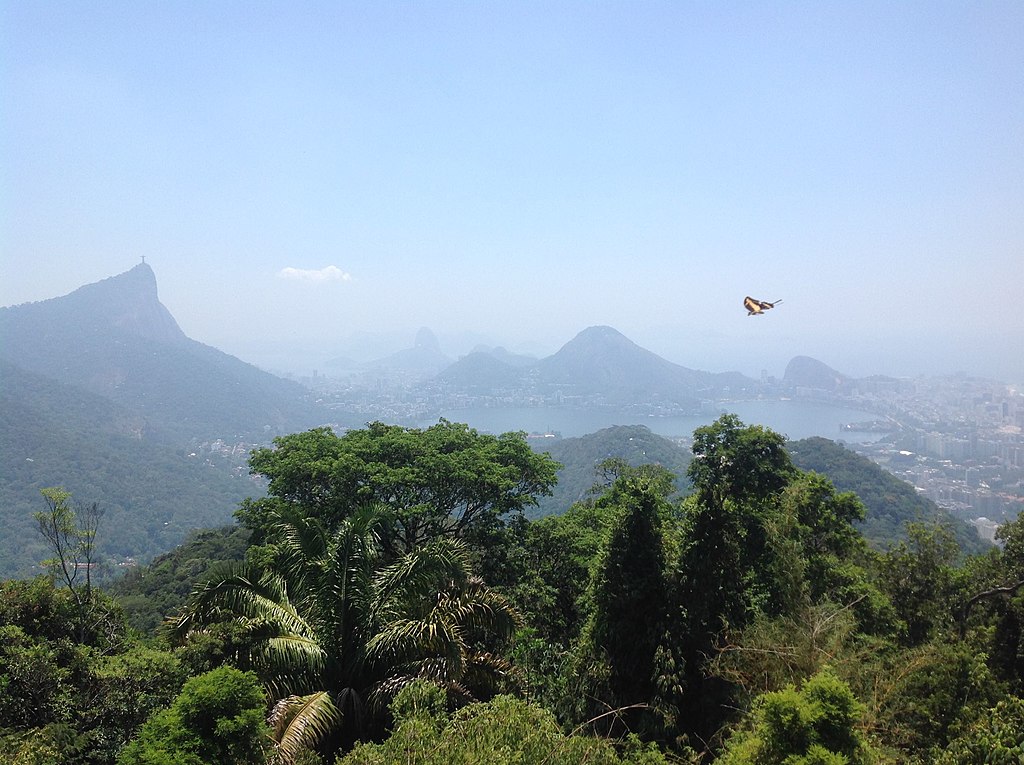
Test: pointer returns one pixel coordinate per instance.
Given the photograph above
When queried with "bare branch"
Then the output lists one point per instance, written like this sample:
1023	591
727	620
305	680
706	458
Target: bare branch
965	611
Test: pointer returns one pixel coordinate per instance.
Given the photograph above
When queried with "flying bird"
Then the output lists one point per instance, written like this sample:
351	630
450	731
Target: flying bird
755	307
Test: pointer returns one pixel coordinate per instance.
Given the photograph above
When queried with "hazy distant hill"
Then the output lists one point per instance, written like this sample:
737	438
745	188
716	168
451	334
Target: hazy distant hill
342	363
53	434
805	372
603	366
503	354
114	338
482	374
601	360
423	360
806	375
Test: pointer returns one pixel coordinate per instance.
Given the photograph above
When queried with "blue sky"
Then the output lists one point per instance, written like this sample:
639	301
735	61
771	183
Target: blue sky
311	180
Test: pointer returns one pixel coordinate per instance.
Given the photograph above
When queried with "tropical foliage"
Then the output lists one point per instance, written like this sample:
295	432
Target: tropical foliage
397	606
445	480
336	627
217	719
503	731
815	724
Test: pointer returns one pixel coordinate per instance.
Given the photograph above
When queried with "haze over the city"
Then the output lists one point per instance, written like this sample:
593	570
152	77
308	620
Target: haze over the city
321	179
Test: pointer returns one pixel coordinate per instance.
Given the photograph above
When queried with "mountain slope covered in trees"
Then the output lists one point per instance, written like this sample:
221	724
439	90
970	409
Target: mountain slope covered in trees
581	459
151	493
892	503
104	395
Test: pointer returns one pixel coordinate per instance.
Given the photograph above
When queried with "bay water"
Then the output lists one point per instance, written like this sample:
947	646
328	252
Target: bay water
792	419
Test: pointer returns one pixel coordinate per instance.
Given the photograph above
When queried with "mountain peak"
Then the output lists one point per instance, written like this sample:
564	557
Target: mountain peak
804	371
127	303
140	278
427	339
601	332
140	273
116	339
602	341
424	359
95	320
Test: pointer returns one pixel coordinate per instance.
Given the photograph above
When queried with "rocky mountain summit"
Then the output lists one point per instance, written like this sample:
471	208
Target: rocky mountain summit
116	339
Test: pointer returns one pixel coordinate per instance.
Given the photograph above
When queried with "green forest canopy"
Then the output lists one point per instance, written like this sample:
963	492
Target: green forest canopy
746	622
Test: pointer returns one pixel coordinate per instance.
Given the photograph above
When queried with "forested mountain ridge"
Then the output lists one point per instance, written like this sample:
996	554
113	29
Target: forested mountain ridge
104	395
152	493
891	502
581	457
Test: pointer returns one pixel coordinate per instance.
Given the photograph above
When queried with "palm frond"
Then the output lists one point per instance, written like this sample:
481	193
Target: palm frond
419	573
291	662
262	598
300	723
490	673
477	607
406	640
302	541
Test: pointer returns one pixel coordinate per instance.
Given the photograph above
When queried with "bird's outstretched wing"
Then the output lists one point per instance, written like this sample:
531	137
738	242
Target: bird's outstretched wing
755	307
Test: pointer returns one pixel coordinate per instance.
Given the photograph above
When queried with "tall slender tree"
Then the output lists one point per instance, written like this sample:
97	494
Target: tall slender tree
738	555
71	537
629	601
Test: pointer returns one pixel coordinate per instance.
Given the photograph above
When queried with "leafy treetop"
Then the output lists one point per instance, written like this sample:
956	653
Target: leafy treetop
445	480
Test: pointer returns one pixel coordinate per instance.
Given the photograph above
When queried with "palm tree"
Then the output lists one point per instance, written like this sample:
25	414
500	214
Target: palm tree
334	630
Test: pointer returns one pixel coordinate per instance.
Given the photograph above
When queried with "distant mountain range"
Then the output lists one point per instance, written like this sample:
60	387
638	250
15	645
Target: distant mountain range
104	394
598	366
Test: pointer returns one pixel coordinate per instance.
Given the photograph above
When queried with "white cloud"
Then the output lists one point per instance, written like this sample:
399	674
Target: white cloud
327	274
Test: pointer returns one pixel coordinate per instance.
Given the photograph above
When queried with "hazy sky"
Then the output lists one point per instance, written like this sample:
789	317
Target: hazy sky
307	177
